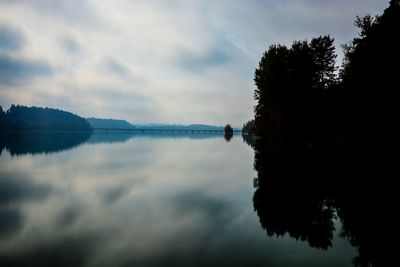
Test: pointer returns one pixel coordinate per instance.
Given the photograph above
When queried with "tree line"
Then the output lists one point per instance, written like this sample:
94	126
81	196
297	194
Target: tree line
22	118
302	96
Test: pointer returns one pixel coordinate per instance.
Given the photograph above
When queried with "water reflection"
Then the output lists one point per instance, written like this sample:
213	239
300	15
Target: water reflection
16	187
20	143
301	189
141	200
70	251
228	136
145	201
120	137
10	222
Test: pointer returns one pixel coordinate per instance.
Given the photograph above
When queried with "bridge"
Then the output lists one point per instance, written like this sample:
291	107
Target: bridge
160	130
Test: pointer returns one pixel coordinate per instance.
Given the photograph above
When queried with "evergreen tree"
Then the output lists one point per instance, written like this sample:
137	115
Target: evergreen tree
324	58
288	82
270	78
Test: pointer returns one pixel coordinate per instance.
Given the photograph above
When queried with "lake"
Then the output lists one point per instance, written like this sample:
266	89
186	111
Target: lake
120	199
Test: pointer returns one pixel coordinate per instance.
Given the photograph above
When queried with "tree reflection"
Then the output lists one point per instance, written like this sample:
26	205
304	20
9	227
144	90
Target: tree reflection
301	189
20	143
228	136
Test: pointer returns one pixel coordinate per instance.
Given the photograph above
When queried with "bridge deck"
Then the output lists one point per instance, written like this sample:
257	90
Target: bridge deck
140	130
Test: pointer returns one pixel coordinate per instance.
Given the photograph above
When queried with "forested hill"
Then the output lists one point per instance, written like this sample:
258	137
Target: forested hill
109	123
21	118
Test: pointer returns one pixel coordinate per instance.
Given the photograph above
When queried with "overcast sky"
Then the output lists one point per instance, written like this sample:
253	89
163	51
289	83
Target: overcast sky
172	61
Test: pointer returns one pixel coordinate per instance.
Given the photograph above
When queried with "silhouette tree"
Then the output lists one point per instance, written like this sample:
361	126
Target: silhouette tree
249	127
290	87
324	58
248	132
2	118
300	187
270	78
228	132
228	129
370	76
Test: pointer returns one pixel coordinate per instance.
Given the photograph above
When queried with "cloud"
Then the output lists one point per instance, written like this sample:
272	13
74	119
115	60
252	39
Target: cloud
14	70
196	62
10	39
120	69
73	12
116	67
71	46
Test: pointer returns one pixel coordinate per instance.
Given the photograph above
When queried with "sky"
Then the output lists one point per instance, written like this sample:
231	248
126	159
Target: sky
155	61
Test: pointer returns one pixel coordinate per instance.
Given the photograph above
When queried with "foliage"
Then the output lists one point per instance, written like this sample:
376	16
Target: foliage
289	84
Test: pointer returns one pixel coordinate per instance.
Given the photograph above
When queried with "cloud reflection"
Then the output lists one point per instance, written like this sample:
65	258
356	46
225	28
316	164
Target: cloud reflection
14	189
164	201
10	222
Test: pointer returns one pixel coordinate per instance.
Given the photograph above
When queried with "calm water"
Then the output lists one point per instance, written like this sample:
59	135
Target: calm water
140	200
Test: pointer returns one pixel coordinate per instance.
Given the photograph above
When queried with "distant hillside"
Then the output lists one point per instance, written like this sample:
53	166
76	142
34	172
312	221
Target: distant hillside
109	123
123	124
21	118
